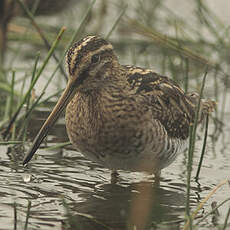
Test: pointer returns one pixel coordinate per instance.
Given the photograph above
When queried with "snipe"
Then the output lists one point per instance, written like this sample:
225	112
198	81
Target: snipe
123	117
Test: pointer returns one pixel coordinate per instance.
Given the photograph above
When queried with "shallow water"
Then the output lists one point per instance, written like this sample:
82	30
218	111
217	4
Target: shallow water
94	202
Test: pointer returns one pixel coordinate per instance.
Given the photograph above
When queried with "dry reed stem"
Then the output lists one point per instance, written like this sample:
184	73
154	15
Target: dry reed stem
204	201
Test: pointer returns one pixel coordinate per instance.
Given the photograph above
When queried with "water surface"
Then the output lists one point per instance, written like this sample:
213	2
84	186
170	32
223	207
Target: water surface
57	176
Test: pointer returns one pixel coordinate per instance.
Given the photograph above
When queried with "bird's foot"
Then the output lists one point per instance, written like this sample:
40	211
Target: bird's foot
114	177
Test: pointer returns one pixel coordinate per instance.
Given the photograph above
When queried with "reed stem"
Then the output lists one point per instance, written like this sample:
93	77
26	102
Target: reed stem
54	45
203	148
27	215
192	140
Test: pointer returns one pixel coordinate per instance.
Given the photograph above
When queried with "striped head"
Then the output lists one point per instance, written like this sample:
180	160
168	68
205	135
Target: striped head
87	61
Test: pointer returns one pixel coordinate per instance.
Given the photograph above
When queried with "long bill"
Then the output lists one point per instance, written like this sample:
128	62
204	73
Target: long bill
63	101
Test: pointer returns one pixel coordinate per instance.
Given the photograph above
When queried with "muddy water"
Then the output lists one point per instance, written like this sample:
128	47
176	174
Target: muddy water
57	176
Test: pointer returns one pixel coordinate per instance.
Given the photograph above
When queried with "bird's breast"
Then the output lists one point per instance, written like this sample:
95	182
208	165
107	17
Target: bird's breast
119	134
110	126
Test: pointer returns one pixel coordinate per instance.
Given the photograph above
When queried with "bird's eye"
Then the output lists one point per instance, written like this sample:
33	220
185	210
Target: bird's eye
95	58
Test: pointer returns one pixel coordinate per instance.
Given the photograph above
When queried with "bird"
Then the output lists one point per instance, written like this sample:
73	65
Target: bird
122	117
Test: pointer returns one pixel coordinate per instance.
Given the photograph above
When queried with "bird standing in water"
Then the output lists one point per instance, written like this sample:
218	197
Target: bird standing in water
122	117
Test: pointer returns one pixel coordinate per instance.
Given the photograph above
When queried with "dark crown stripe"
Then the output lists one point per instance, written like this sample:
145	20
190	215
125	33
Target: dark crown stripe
82	49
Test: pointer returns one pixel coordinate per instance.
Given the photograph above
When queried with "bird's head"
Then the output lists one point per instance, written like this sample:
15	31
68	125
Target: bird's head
87	61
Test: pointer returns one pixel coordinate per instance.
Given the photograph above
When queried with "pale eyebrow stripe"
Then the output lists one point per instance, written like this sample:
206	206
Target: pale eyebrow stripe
75	62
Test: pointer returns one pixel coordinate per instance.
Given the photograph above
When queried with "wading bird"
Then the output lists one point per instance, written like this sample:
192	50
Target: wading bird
122	117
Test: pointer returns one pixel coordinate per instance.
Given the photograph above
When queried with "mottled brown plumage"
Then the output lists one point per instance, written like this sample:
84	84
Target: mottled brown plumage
123	117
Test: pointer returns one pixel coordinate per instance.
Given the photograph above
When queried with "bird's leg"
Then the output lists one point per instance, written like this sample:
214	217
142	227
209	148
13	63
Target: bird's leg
157	175
114	177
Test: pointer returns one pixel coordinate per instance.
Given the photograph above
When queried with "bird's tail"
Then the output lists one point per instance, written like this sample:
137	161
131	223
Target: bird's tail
206	107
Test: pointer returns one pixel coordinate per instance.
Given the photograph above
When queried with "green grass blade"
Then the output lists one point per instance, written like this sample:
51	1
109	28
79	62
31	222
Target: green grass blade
10	142
54	45
75	35
226	220
59	146
12	94
117	21
31	17
15	216
27	215
192	140
203	148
